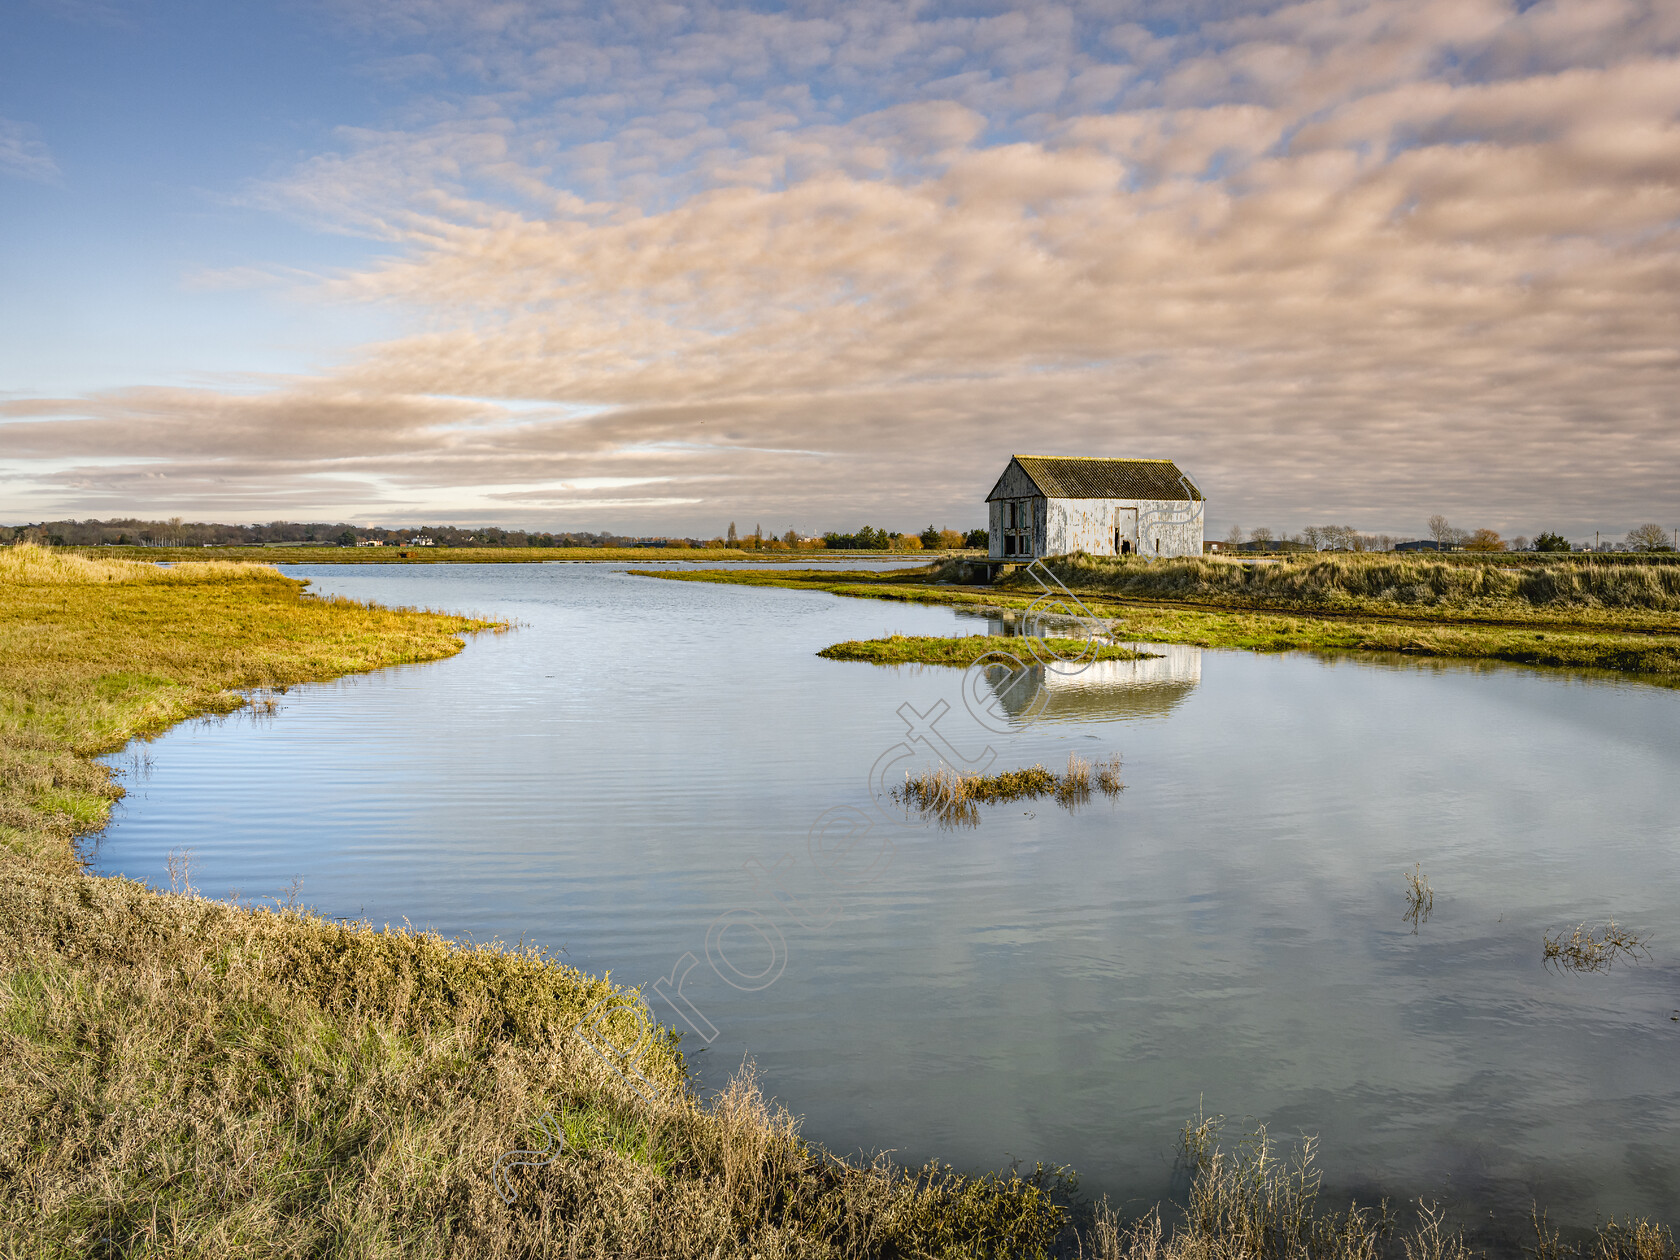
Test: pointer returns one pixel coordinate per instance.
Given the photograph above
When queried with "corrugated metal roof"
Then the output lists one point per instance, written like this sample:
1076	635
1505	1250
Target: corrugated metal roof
1076	477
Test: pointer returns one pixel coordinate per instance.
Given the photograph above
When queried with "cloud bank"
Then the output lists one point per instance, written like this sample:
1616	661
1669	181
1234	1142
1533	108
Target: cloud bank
665	267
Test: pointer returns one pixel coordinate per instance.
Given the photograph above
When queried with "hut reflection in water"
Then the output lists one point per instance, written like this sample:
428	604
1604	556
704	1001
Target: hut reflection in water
1103	690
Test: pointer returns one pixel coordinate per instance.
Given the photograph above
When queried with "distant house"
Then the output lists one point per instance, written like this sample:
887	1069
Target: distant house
1046	505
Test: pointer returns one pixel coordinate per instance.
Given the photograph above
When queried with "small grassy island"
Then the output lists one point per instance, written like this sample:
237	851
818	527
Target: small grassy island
181	1077
906	649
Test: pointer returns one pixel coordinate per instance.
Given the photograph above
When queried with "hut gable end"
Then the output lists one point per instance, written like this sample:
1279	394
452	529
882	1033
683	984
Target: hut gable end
1014	484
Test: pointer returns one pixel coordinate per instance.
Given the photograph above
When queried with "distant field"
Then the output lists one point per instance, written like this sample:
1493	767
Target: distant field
492	555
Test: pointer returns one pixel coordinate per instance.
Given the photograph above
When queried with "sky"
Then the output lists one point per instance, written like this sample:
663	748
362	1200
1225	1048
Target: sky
654	267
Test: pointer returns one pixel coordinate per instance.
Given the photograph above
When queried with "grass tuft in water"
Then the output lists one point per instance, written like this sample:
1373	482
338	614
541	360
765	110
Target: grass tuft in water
1593	951
1420	897
1259	1201
1637	1240
953	799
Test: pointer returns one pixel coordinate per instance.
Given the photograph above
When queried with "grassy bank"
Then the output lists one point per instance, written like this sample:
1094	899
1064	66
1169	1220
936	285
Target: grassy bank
96	652
1574	614
1562	592
180	1077
911	649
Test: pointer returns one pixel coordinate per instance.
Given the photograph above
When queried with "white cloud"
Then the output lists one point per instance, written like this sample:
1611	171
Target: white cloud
1362	261
24	155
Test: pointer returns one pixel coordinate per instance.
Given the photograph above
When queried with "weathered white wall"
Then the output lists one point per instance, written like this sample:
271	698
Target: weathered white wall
1163	527
1014	484
1154	527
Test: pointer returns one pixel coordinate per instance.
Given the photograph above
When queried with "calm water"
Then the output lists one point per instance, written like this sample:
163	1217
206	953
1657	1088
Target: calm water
1048	986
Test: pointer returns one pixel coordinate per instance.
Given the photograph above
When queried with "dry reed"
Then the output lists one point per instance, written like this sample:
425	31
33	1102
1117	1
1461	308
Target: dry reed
1420	898
1587	951
953	799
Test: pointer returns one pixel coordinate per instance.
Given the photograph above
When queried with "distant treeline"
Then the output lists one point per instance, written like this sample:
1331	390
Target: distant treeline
175	532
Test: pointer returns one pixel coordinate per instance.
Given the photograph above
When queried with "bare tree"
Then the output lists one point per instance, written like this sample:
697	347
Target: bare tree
1314	537
1235	536
1446	533
1648	538
1519	543
1261	535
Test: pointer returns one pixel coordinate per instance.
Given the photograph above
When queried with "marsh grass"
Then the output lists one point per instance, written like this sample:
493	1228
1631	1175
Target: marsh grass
95	652
178	862
1263	1200
901	649
1587	950
953	799
1385	582
1637	1239
1420	898
184	1077
1625	637
1258	1201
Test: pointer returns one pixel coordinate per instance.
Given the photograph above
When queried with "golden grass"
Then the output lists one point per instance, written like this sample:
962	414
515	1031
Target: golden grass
1578	590
184	1078
180	1077
95	652
1261	1200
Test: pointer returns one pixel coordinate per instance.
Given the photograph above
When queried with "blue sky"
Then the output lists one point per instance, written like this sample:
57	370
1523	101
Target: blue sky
656	267
154	117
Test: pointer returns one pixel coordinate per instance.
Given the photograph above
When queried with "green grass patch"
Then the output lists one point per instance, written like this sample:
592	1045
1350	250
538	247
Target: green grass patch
902	649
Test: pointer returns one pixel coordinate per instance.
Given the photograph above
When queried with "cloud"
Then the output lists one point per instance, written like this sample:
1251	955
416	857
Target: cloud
23	155
1360	261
